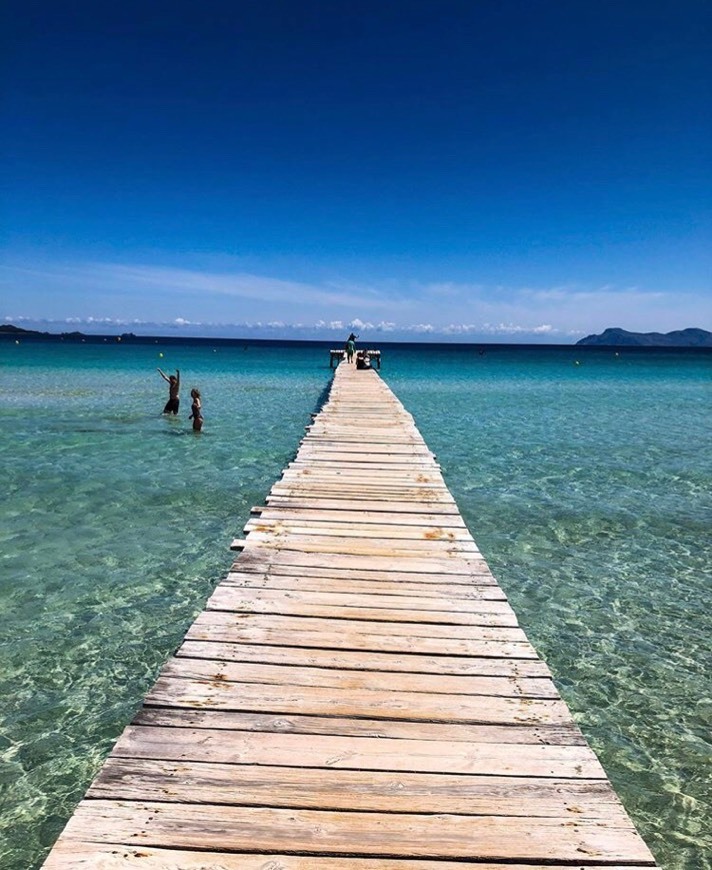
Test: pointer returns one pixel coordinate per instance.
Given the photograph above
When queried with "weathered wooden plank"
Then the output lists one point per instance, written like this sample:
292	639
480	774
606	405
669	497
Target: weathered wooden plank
373	790
218	694
345	570
347	626
368	680
231	631
361	481
421	492
359	753
374	589
376	834
363	546
294	626
335	448
309	458
356	498
361	485
266	557
236	600
355	528
564	734
409	662
342	516
78	855
361	502
275	563
328	598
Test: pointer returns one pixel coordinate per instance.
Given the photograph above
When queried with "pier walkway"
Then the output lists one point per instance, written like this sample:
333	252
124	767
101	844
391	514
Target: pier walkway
356	695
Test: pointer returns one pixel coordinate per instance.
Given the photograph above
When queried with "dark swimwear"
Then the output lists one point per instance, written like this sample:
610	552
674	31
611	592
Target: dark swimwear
171	406
196	416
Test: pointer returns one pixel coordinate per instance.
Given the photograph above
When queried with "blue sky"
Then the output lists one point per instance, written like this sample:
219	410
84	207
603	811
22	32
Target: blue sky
504	170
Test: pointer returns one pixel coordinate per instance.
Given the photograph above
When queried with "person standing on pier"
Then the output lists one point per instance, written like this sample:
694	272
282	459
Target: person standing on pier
350	347
173	402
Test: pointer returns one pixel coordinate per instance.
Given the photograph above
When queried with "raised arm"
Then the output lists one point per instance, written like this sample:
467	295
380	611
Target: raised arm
163	375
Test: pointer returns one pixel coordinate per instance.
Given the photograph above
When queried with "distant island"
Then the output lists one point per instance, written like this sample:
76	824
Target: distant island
19	332
622	338
612	337
10	329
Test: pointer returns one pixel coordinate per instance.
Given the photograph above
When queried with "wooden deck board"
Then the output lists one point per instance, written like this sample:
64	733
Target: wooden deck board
331	752
196	826
340	517
392	663
564	734
218	694
192	668
475	574
230	597
374	588
268	601
80	855
354	528
372	790
356	695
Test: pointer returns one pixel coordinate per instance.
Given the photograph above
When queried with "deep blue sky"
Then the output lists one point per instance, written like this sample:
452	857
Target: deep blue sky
511	168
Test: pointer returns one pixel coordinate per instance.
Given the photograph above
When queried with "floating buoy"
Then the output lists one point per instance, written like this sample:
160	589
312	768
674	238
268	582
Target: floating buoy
577	363
161	355
17	341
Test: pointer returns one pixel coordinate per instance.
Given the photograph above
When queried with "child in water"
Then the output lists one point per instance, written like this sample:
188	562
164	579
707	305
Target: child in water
196	410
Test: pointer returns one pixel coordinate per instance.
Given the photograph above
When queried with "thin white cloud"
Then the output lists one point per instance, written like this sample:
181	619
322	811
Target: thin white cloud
194	327
516	329
243	286
143	297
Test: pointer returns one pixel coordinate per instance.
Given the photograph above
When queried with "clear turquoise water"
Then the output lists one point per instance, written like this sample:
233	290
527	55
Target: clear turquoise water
587	487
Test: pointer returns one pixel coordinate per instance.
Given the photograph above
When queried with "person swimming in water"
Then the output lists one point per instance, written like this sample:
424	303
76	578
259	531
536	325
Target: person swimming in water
196	410
173	402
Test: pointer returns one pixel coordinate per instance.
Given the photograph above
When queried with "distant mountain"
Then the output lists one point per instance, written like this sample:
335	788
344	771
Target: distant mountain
10	329
18	332
622	338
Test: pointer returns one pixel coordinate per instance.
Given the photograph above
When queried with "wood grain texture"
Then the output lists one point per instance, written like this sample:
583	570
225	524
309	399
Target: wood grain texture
405	754
389	663
566	734
195	826
368	680
367	790
79	855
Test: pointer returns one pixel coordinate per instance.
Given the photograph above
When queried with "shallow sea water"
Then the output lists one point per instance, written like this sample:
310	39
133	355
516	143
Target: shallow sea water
587	487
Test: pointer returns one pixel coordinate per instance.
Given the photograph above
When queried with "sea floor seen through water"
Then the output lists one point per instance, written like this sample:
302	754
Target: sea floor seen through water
584	475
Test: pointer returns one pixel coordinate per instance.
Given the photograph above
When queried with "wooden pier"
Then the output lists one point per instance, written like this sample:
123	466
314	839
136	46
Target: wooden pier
336	356
356	695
